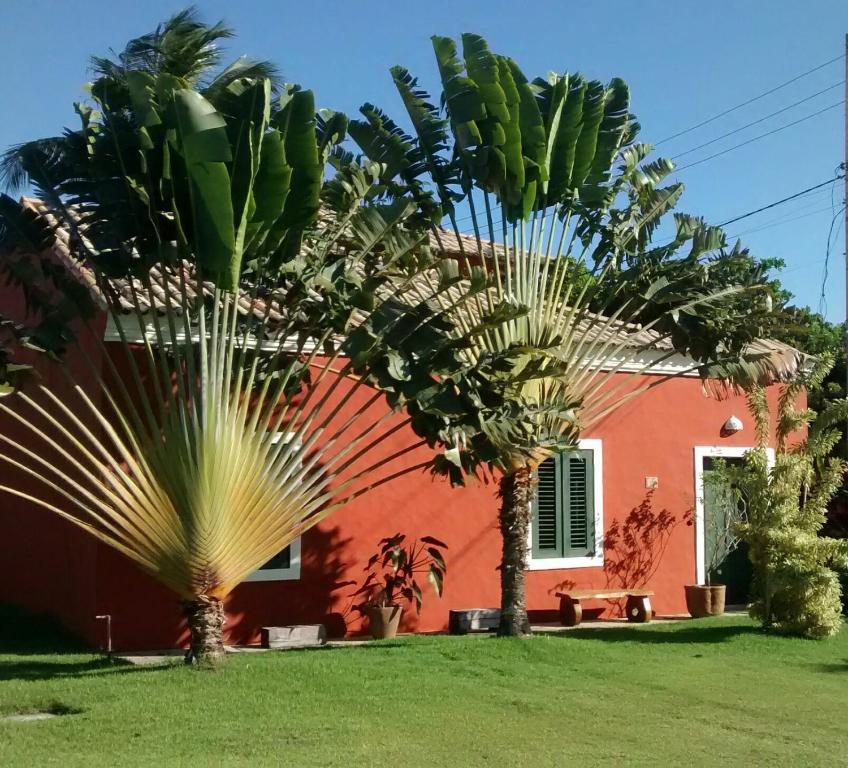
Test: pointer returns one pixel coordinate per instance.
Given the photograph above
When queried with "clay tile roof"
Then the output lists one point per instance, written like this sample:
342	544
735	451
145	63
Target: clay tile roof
783	359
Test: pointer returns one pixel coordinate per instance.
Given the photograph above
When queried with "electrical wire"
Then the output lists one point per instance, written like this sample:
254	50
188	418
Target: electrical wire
761	136
783	200
749	101
733	220
780	222
758	121
822	299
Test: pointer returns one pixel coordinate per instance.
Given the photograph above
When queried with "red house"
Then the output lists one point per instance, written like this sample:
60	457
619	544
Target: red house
624	510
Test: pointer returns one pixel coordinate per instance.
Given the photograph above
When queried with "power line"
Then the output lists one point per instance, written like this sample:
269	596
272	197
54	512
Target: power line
822	298
809	264
784	200
762	136
757	122
750	101
733	220
780	222
755	138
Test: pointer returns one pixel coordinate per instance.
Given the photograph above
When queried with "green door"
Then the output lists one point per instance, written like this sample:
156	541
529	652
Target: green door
735	571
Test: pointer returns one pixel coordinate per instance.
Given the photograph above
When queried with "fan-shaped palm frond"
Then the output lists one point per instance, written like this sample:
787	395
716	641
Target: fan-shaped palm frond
554	224
252	340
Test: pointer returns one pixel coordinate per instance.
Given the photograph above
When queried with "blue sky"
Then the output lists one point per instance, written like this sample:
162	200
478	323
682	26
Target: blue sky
685	61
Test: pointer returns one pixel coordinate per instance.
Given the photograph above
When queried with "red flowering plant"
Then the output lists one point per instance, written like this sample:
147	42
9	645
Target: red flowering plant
394	570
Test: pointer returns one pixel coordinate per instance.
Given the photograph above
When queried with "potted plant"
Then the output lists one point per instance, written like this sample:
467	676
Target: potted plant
392	578
728	506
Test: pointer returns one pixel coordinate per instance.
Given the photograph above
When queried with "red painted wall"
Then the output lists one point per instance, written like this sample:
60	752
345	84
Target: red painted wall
47	566
653	435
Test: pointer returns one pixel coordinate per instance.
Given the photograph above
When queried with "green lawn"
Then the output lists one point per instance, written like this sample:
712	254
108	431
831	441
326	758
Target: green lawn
714	692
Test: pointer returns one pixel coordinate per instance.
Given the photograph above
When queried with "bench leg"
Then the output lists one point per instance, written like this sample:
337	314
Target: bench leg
570	612
639	609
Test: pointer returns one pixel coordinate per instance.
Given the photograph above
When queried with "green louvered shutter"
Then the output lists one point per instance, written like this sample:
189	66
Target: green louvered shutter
547	514
564	509
579	508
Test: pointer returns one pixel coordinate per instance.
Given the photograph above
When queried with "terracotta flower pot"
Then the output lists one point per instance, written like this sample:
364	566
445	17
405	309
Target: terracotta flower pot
705	600
383	621
717	593
698	600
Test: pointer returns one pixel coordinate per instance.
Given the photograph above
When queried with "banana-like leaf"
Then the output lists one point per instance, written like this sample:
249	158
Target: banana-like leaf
201	140
533	140
568	131
611	133
296	122
462	95
382	141
592	115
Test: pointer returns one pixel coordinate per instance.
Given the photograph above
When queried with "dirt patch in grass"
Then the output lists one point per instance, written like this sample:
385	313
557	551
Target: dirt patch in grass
36	711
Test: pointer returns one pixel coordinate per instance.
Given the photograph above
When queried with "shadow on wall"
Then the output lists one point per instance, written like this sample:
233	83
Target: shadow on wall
633	550
552	615
634	547
317	597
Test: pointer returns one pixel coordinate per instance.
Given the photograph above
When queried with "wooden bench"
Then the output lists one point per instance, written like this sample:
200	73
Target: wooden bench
638	606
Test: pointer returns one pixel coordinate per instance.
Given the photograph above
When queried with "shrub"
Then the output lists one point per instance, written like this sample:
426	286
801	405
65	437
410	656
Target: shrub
796	589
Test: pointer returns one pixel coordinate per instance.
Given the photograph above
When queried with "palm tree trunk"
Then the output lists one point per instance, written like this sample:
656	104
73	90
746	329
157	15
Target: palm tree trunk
516	492
206	624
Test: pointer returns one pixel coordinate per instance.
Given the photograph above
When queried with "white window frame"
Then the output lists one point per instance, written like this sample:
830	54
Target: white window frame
717	452
587	561
292	573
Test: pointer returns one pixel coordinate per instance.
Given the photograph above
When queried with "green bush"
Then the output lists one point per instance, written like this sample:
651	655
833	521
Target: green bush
806	602
796	588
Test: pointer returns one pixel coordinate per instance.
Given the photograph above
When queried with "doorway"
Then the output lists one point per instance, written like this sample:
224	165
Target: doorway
735	571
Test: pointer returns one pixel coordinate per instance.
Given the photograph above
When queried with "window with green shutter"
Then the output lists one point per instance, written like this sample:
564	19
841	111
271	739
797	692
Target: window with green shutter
564	509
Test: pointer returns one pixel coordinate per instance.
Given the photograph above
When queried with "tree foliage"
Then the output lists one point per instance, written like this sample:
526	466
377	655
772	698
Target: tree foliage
796	585
563	203
54	300
251	332
567	288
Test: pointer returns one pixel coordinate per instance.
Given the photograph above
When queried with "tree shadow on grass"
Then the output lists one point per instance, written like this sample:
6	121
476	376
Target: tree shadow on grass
26	640
834	666
678	636
365	645
72	667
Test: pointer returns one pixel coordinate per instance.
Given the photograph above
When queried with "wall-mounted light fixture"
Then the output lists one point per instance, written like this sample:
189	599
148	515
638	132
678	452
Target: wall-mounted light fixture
732	426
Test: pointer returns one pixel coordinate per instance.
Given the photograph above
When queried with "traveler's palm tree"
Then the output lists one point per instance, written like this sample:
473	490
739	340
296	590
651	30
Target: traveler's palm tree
238	413
558	203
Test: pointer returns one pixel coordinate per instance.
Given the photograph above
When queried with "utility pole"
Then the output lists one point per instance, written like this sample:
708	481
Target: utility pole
845	213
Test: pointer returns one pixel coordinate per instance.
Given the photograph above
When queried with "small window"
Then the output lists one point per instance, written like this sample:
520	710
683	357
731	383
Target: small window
285	565
566	520
281	560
